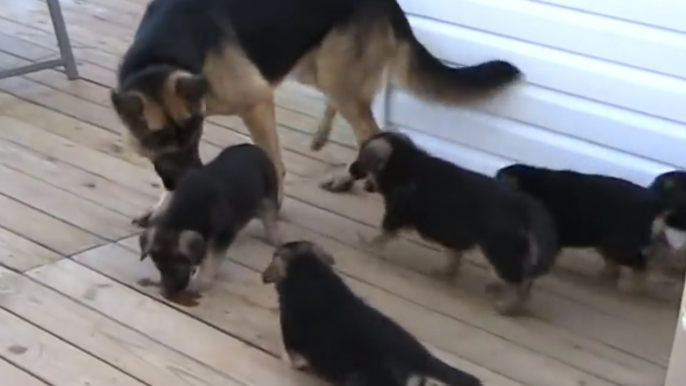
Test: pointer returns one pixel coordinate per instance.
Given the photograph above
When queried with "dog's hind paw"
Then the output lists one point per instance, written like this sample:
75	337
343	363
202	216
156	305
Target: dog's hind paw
318	142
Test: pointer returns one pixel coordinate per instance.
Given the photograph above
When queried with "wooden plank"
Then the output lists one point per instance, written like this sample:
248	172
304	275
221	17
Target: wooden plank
130	351
244	307
54	122
472	344
20	254
611	306
676	373
300	185
241	362
104	117
87	185
53	360
530	333
15	376
94	161
65	206
37	16
317	193
44	230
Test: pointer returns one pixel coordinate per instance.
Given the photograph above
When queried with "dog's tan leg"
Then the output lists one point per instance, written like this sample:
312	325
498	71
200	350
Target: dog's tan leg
269	218
321	136
149	216
261	122
359	116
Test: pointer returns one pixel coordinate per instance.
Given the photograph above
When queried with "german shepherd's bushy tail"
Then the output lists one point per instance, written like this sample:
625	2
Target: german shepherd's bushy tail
416	69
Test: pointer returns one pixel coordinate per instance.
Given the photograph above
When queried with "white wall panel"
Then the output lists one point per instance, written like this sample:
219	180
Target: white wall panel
601	95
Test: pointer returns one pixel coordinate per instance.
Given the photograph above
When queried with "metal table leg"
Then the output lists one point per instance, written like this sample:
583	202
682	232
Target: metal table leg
66	58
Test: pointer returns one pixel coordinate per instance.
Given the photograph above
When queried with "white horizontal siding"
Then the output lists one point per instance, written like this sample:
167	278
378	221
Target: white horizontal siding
591	102
669	14
575	31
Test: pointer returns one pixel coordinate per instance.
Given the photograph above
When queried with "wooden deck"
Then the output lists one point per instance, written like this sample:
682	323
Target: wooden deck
72	311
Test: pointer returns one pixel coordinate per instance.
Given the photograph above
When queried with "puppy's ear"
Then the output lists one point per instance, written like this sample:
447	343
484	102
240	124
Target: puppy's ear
322	254
192	244
127	103
145	242
191	87
374	155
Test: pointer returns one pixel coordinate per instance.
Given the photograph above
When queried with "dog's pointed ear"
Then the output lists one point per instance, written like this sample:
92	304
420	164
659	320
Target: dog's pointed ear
191	87
322	254
145	242
127	103
192	244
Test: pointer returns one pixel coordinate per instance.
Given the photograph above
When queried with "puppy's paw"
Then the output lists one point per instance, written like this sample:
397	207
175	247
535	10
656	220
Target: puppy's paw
338	184
318	142
494	284
295	361
369	186
444	274
372	245
142	221
509	305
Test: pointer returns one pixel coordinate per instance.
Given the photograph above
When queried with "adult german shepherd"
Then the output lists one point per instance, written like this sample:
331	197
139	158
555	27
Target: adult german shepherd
192	58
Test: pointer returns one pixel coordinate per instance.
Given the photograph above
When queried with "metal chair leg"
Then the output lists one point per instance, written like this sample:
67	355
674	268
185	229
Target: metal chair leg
66	51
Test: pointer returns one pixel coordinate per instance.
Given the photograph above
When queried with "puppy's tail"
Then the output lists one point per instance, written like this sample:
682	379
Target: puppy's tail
437	369
544	244
416	69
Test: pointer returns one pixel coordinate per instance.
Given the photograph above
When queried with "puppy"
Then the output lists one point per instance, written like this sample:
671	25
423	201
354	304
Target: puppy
671	187
618	218
211	204
327	328
459	209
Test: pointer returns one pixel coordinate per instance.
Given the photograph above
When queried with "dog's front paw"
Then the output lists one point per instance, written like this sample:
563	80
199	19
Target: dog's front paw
318	142
338	184
142	221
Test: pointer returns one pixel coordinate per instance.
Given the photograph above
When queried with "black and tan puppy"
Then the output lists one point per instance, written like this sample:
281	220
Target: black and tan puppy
671	187
191	58
189	237
620	219
332	332
459	209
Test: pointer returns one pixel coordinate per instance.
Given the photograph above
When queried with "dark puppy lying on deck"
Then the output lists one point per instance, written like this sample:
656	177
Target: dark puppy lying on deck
618	218
330	330
211	204
459	209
